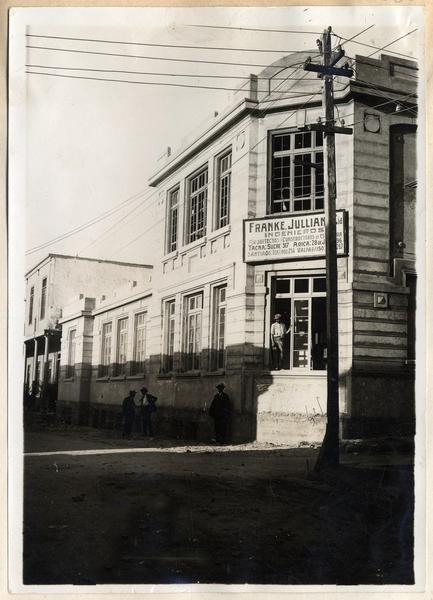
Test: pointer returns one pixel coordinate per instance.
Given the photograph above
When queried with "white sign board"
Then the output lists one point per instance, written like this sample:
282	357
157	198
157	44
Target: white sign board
290	238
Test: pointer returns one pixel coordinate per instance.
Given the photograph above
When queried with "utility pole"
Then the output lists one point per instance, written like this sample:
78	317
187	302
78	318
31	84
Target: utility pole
329	453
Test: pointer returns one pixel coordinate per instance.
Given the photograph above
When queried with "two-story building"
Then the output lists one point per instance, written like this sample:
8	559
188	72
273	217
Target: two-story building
51	285
242	239
243	206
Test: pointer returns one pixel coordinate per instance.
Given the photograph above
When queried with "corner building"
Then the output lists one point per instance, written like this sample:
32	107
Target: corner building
243	207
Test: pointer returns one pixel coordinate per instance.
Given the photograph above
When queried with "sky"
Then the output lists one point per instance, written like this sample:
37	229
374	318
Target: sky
80	147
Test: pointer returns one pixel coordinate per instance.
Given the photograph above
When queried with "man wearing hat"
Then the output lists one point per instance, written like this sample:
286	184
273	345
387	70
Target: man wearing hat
278	333
220	411
128	414
147	408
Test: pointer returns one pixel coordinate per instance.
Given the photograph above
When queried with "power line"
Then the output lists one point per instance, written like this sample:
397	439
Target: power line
195	76
86	225
300	93
359	61
393	42
178	46
252	29
195	61
373	46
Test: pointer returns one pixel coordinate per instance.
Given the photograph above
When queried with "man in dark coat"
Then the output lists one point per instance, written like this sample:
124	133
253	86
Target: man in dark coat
220	411
148	407
128	414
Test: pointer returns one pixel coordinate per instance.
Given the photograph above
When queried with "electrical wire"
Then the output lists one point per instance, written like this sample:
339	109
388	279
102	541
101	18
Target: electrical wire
373	46
87	224
393	42
177	46
300	93
196	76
192	60
251	29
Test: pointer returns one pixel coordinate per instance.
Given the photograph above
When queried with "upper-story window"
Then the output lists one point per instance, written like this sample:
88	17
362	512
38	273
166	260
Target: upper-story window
172	219
224	177
296	171
43	297
169	330
196	206
31	301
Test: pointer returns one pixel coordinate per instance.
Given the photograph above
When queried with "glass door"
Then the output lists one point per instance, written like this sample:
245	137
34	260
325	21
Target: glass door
300	333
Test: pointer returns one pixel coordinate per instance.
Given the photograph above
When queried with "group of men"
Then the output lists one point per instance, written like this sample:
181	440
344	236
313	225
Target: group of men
139	414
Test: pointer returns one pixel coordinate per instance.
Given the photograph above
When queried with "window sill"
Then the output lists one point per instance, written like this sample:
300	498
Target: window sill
165	375
136	376
103	378
170	255
118	378
219	232
192	245
68	379
293	373
217	373
186	374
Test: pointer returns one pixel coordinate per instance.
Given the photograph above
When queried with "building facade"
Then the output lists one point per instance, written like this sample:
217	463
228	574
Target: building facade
244	225
50	286
104	354
242	208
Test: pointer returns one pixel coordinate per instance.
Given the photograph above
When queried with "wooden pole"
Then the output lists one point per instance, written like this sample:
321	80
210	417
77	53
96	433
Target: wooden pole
330	450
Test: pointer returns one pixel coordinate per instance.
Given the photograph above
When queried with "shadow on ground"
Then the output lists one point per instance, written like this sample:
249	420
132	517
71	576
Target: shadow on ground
244	516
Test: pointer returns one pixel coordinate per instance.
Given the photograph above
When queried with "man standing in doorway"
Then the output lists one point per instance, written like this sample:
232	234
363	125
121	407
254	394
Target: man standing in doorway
278	333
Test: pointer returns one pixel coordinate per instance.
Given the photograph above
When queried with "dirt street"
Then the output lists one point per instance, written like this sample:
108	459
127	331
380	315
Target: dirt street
167	513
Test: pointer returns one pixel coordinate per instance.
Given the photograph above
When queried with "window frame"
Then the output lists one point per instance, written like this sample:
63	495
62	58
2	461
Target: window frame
72	349
105	368
135	369
187	312
187	203
216	352
31	303
293	297
121	367
228	173
169	211
312	150
43	298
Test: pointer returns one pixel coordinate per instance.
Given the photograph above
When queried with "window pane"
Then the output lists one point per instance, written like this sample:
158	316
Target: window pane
301	286
300	333
282	286
318	333
303	140
319	284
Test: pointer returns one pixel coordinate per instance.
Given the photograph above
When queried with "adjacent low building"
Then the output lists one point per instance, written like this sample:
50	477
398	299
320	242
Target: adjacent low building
51	285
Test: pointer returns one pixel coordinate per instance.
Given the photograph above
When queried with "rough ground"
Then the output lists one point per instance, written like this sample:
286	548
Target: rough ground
169	513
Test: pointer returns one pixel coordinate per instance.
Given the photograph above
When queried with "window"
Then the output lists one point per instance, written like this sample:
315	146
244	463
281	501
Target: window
296	172
173	211
139	342
50	370
122	346
301	302
170	320
43	297
193	306
196	206
224	175
31	301
105	350
70	370
219	328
